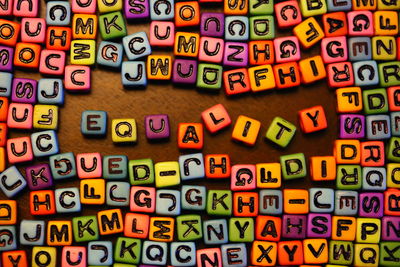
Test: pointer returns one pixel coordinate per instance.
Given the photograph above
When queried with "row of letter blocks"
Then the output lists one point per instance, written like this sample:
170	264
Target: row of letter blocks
261	253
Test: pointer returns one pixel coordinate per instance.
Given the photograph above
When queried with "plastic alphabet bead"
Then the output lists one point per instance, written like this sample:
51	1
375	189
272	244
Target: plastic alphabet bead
20	116
9	32
209	76
110	54
219	202
236	81
287	49
83	52
39	176
168	202
9	235
45	117
347	151
281	132
59	233
334	49
32	233
67	200
383	48
44	255
42	202
237	28
215	232
268	228
321	200
323	168
217	166
372	153
295	256
189	227
77	78
187	14
184	71
136	225
216	118
94	123
193	197
359	48
6	80
378	127
241	229
287	14
243	177
50	91
293	166
26	9
143	199
110	222
10	257
187	44
190	136
191	166
264	252
44	143
112	26
296	201
271	202
183	253
211	49
162	229
268	175
117	194
84	26
335	24
245	204
19	150
85	228
24	91
92	191
159	67
124	130
212	24
115	167
133	74
349	100
360	23
89	165
12	182
8	212
246	130
127	250
375	101
365	73
312	119
134	10
262	27
58	38
136	45
235	54
27	55
154	253
33	30
309	32
162	10
141	171
73	256
167	174
58	13
343	228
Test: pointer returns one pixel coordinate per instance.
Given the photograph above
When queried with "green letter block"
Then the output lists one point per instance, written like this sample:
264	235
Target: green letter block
389	254
112	26
219	202
258	7
393	149
375	101
189	227
127	250
262	28
241	230
341	252
293	166
389	73
348	177
85	228
280	131
209	76
141	171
